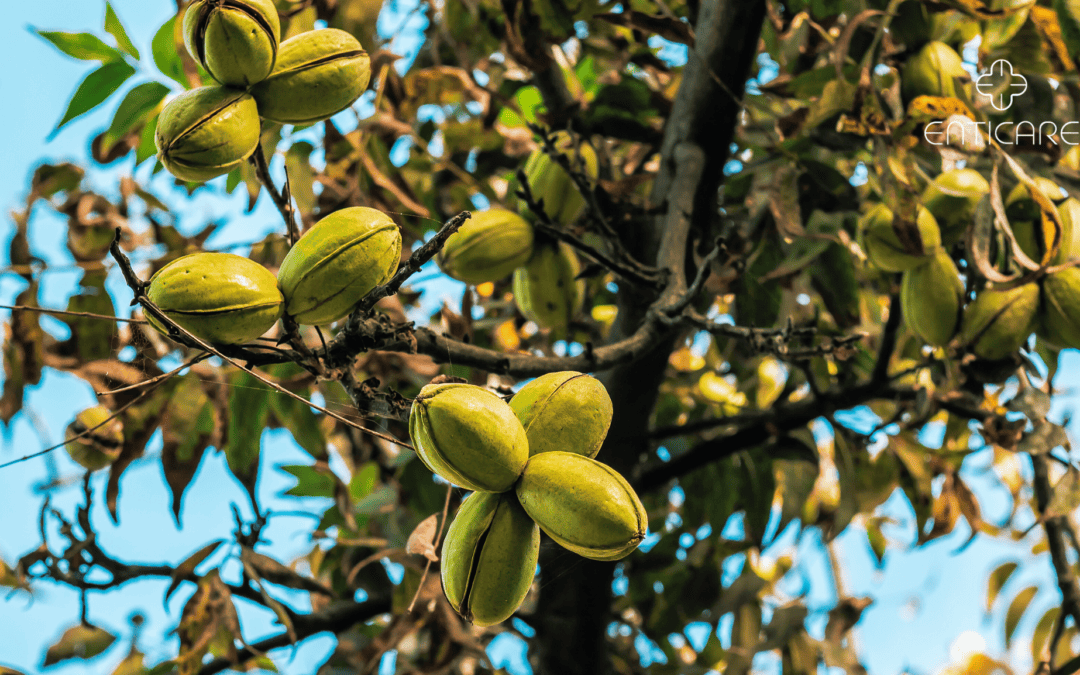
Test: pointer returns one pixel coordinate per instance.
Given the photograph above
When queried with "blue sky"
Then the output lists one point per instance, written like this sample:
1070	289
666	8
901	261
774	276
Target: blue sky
42	84
925	598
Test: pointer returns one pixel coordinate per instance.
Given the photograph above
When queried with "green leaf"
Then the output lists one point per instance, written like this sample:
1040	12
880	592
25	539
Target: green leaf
756	493
52	178
116	29
166	58
630	99
9	579
131	665
248	409
1066	497
91	339
79	642
232	180
147	146
529	101
301	176
876	539
757	300
376	502
296	416
586	72
186	431
1068	12
1016	612
822	9
138	105
363	481
310	482
997	581
92	91
1041	635
833	277
187	567
83	46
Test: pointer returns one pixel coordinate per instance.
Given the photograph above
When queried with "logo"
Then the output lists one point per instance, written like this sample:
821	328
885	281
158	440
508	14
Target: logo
1001	84
989	83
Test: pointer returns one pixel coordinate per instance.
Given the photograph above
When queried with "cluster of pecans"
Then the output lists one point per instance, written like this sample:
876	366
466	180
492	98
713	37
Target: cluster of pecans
228	299
998	321
497	242
224	298
209	131
530	466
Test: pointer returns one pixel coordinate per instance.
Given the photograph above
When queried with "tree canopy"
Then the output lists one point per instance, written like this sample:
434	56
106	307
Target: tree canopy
821	254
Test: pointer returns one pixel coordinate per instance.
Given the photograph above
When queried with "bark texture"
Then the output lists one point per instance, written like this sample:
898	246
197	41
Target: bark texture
575	599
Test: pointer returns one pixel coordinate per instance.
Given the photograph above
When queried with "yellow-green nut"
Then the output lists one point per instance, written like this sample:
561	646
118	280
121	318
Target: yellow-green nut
548	181
884	246
1071	159
932	72
489	558
337	262
1069	210
488	247
566	411
468	436
932	296
952	198
998	322
102	441
1033	232
207	132
584	505
235	40
547	290
219	297
318	74
1061	308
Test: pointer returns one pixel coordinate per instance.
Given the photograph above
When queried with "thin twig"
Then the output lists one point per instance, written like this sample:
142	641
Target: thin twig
333	619
62	312
280	199
138	287
545	225
438	538
378	555
581	182
411	266
888	340
84	433
156	378
777	341
1055	538
335	353
675	310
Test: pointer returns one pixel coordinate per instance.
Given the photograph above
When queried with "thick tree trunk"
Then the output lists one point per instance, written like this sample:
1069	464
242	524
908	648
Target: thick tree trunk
575	599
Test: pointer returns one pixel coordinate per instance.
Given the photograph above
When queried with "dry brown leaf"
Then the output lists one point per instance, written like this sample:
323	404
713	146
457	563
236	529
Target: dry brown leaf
422	540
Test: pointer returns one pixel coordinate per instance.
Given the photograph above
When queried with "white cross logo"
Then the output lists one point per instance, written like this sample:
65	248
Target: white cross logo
1001	70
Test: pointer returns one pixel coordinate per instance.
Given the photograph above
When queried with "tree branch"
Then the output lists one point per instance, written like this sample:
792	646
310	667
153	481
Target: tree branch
178	332
888	340
574	608
282	199
777	421
633	273
334	619
1055	527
